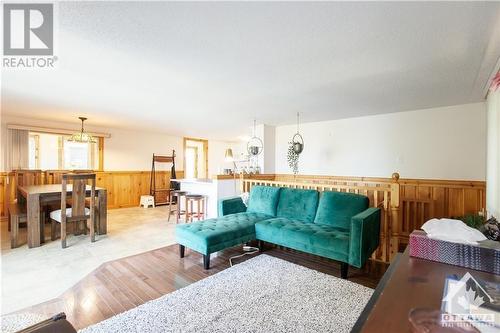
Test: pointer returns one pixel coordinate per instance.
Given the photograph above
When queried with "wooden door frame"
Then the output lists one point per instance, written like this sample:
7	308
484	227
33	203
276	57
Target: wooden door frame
205	151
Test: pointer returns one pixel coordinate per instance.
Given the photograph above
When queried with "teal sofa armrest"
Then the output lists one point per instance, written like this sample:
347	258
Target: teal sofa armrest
365	236
231	206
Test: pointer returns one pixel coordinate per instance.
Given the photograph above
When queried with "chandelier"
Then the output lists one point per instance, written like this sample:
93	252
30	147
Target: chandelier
82	136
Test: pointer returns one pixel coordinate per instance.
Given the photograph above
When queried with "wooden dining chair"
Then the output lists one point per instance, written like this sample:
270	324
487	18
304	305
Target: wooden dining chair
28	177
78	213
16	210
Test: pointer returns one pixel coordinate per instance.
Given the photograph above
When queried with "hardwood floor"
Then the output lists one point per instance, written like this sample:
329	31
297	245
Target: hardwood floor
125	283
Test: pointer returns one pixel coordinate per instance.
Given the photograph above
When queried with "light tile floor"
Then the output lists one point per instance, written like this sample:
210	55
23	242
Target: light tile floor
32	276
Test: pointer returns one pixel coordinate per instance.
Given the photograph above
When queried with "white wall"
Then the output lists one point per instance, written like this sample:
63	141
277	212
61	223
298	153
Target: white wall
266	159
439	143
216	155
128	150
269	149
124	151
493	155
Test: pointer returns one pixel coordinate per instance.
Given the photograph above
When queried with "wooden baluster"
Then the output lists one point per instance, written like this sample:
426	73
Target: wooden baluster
394	216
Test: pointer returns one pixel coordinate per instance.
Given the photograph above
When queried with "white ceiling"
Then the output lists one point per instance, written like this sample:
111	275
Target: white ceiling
207	69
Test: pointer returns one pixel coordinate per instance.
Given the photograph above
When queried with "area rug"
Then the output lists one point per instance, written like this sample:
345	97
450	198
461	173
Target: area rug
263	294
15	322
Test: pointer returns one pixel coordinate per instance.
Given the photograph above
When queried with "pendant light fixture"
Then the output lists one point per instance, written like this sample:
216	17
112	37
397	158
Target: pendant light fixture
254	145
297	140
82	136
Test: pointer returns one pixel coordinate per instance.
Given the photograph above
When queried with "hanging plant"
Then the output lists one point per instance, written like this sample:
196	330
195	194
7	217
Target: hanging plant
292	158
295	147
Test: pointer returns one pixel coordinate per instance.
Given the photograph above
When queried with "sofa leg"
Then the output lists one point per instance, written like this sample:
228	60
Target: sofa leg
344	267
182	248
206	261
260	245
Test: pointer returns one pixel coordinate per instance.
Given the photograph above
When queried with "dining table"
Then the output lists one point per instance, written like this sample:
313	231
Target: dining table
36	196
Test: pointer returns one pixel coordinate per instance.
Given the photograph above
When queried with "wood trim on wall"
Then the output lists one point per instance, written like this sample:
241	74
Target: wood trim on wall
100	148
419	199
124	188
449	197
412	201
381	195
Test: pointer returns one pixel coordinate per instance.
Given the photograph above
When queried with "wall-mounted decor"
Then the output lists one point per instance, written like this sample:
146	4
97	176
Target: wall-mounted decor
296	146
254	145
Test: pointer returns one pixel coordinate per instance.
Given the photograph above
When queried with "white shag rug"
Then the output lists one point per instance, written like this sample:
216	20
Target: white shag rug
15	322
263	294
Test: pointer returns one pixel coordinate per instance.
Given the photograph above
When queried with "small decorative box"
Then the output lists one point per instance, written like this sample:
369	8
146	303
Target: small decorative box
482	257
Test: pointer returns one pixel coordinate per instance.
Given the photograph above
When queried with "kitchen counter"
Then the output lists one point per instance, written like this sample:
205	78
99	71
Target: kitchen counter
194	180
262	176
213	190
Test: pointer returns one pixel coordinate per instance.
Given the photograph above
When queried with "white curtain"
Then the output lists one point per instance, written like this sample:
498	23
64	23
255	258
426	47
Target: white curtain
18	149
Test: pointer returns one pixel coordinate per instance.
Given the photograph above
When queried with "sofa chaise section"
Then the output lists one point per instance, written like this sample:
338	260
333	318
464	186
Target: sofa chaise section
235	224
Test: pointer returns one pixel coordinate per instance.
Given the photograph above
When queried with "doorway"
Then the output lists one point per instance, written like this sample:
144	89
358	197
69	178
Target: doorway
195	158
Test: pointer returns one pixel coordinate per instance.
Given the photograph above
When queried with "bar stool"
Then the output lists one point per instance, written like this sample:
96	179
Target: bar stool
178	194
200	203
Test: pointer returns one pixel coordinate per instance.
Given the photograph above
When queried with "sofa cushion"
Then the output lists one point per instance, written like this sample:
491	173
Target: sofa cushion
309	237
263	199
202	236
298	204
337	208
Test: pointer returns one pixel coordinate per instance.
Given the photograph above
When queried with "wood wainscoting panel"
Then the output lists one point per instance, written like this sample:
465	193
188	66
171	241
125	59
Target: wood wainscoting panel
423	199
3	193
382	195
449	198
419	199
124	188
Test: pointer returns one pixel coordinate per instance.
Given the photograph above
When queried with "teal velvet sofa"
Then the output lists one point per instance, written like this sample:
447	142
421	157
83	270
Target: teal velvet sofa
334	225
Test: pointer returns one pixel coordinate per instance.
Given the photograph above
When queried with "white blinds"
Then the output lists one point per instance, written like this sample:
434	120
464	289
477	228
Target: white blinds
17	149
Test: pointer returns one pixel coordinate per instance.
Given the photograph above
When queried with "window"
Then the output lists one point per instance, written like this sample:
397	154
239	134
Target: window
55	152
34	159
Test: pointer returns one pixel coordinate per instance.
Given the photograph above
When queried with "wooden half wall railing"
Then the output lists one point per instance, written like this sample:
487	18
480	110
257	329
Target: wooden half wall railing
406	203
384	195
